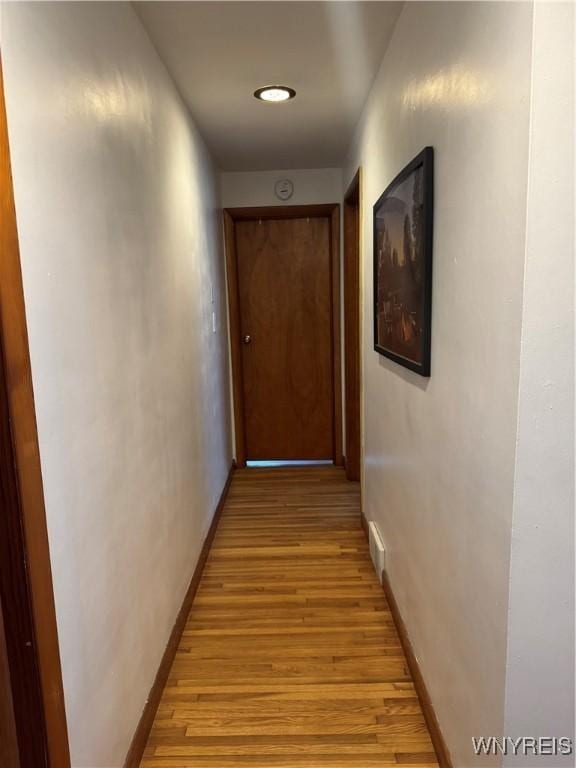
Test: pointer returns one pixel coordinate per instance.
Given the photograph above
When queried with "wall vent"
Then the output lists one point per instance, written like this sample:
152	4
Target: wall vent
377	550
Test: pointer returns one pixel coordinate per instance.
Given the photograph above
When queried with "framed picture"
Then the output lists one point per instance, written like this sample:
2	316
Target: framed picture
403	265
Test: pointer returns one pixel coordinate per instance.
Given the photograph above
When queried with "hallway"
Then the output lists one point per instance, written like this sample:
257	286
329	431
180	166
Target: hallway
289	656
240	232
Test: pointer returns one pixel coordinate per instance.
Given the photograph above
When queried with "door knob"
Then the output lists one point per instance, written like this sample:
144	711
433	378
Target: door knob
247	339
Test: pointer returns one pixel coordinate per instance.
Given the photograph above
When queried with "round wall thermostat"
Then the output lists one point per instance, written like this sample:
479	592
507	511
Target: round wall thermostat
284	189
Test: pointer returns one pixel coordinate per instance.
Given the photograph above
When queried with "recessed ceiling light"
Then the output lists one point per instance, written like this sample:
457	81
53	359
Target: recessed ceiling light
275	93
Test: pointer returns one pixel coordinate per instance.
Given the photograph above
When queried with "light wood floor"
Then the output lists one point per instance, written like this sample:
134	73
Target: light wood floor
290	656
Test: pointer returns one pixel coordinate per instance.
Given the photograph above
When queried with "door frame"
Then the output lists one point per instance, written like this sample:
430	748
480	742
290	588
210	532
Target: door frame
26	592
352	285
331	211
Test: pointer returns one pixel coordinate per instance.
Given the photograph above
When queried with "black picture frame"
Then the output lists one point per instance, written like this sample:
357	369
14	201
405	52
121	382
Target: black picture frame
415	279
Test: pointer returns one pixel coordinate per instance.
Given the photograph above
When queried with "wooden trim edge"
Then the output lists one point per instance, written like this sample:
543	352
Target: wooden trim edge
22	414
364	523
352	304
323	210
234	336
142	732
438	741
336	320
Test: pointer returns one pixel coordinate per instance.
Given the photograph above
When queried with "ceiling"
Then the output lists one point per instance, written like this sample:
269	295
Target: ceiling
219	52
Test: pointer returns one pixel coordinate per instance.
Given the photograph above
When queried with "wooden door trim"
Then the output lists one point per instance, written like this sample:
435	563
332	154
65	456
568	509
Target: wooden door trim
336	333
352	315
235	345
283	212
331	211
28	507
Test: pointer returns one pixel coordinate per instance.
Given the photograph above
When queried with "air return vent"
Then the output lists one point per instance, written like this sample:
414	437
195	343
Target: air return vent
377	551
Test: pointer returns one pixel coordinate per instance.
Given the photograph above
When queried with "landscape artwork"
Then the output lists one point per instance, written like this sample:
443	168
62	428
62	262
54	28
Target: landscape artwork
403	266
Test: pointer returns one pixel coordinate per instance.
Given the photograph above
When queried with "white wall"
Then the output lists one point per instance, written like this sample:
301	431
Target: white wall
119	229
439	453
540	673
311	186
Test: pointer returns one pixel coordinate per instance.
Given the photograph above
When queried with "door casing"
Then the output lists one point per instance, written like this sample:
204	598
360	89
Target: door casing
33	656
352	328
231	216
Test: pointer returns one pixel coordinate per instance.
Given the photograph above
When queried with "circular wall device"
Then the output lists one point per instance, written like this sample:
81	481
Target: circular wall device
284	189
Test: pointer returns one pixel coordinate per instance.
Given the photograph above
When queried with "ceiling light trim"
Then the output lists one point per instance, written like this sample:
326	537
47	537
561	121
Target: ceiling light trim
275	94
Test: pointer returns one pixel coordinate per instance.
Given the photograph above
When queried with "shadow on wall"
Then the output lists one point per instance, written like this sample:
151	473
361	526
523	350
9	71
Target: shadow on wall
404	373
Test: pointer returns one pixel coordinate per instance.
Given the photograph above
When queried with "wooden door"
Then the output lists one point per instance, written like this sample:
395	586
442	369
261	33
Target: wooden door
285	307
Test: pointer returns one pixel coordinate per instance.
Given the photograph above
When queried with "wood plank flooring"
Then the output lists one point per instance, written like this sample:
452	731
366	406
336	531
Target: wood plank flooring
290	656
